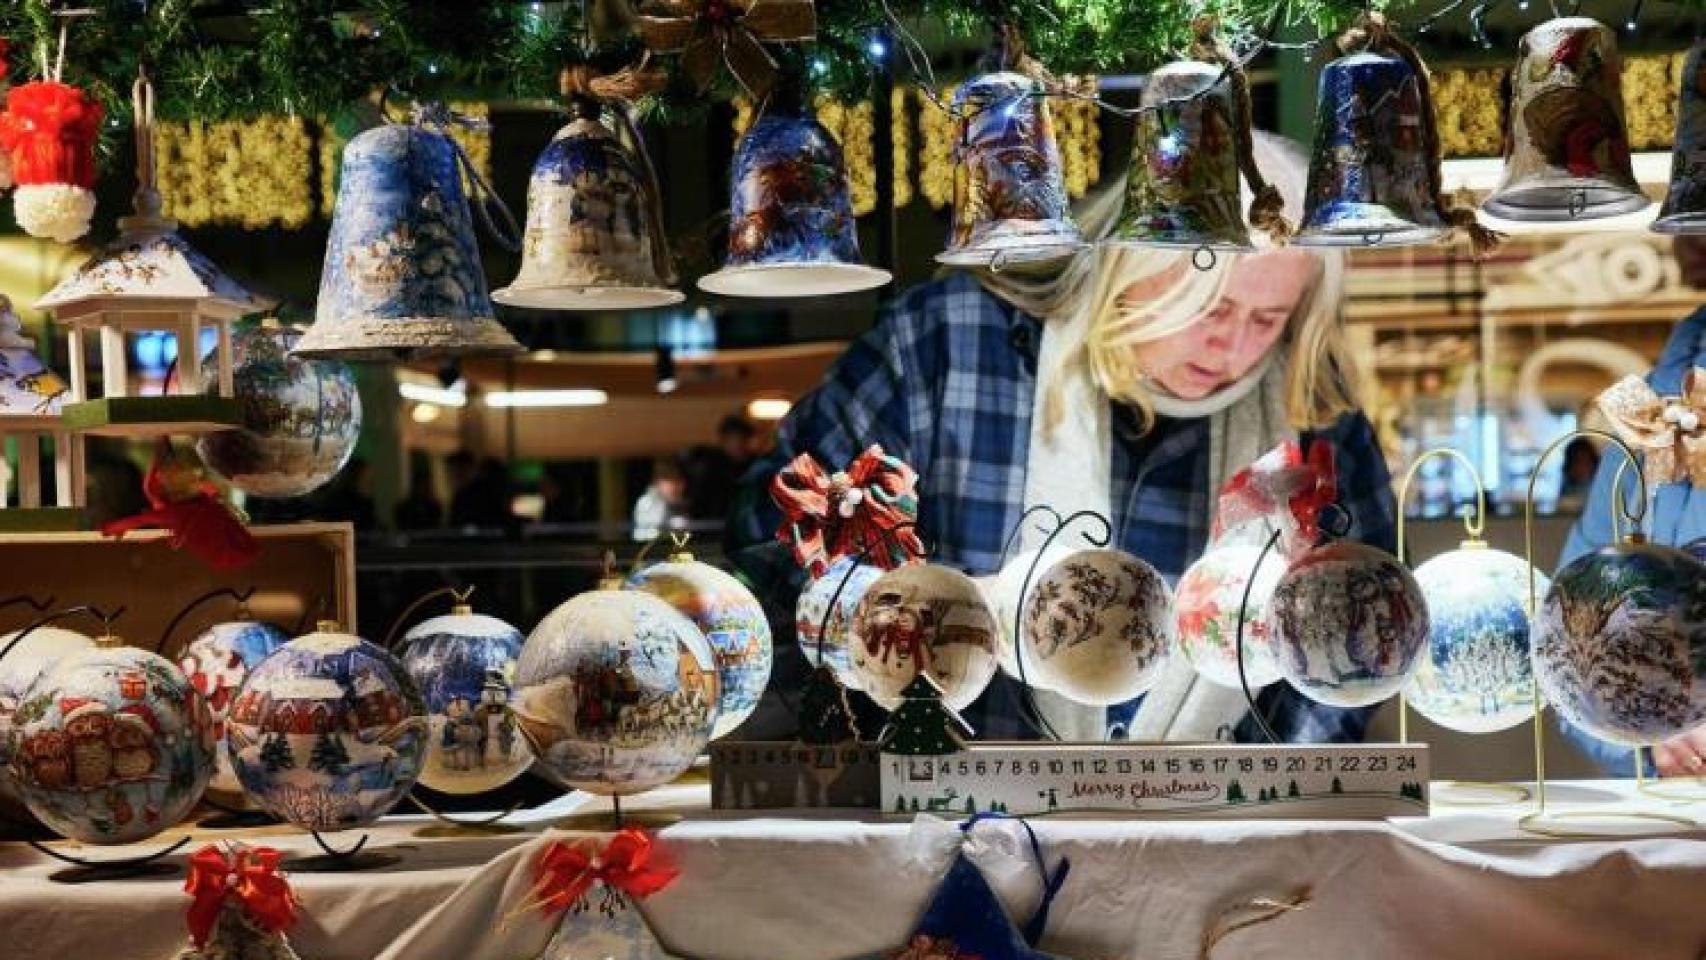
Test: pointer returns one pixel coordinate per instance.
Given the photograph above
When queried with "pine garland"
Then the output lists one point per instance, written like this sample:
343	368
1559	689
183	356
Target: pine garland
316	57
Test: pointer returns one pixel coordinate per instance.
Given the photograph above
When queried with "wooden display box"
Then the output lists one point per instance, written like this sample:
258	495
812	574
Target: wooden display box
153	416
305	572
784	775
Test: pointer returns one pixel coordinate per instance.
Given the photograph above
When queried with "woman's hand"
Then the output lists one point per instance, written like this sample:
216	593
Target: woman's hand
1683	756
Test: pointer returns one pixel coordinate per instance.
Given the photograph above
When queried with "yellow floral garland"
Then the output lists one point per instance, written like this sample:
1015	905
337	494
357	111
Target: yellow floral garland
248	173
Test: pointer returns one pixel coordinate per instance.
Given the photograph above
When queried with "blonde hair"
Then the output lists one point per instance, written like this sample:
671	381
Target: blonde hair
1321	376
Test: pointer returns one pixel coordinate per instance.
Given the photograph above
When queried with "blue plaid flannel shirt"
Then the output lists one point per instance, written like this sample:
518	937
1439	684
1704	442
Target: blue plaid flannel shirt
945	381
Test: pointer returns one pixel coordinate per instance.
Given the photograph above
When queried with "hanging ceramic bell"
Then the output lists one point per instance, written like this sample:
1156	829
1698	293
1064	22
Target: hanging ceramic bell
1183	187
1371	174
791	226
1010	204
1685	204
402	277
593	238
1566	150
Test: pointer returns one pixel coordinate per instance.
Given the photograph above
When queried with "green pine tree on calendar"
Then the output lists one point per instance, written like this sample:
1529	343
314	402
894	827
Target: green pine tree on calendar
923	725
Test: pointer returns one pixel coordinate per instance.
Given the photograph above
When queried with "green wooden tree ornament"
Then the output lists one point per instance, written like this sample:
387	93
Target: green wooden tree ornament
923	725
825	717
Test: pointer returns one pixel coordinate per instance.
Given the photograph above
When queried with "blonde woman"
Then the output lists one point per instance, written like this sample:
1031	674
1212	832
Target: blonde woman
1130	383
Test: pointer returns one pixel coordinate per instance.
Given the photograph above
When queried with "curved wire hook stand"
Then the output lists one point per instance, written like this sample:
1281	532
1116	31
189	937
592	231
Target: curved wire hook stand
333	860
105	617
1542	821
1475	527
460	596
1028	699
241	596
39	606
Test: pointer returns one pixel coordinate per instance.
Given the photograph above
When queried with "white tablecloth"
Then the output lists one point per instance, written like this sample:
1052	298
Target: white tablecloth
1462	883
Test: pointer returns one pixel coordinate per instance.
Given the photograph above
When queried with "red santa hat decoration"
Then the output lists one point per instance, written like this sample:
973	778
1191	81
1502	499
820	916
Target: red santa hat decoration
47	153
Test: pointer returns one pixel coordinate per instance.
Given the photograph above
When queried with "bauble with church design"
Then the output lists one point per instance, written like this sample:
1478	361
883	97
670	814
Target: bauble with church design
112	745
729	616
823	635
328	732
616	691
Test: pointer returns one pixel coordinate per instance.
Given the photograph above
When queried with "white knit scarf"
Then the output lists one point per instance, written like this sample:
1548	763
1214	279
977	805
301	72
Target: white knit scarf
1069	469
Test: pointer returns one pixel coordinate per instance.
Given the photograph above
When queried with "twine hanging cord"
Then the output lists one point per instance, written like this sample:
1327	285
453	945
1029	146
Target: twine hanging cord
618	91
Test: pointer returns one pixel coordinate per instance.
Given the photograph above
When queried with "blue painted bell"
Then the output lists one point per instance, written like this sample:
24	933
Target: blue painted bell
593	238
402	277
1620	643
1685	203
1371	177
1567	149
791	228
1182	190
1010	203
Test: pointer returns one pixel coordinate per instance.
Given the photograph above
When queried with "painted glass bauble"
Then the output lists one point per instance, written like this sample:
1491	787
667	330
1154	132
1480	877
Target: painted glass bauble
1475	675
1205	615
1347	622
328	732
617	692
217	662
1001	592
727	613
923	617
112	745
464	665
1098	626
35	655
301	418
814	604
1620	646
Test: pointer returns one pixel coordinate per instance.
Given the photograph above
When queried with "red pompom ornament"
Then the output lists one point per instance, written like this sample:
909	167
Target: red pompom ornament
48	133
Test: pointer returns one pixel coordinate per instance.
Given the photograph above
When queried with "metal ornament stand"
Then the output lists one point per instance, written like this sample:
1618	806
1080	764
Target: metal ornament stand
447	825
1454	793
85	870
1560	823
333	860
1028	700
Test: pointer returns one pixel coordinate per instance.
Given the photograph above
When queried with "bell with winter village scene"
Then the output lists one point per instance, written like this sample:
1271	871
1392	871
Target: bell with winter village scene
1685	203
1010	202
1567	148
792	232
1371	171
402	277
594	235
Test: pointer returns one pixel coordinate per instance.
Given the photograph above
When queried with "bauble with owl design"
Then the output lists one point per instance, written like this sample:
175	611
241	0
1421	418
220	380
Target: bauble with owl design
1348	622
30	655
464	665
730	617
1620	643
616	692
1097	626
111	745
923	617
328	732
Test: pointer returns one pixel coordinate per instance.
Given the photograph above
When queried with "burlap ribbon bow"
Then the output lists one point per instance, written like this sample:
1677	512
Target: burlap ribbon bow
1667	429
711	33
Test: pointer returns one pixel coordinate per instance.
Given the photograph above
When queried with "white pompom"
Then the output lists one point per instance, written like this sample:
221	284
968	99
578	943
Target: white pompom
54	211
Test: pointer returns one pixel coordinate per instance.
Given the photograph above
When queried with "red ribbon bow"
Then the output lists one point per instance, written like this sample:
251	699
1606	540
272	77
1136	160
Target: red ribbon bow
568	870
248	875
1284	487
191	508
867	508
